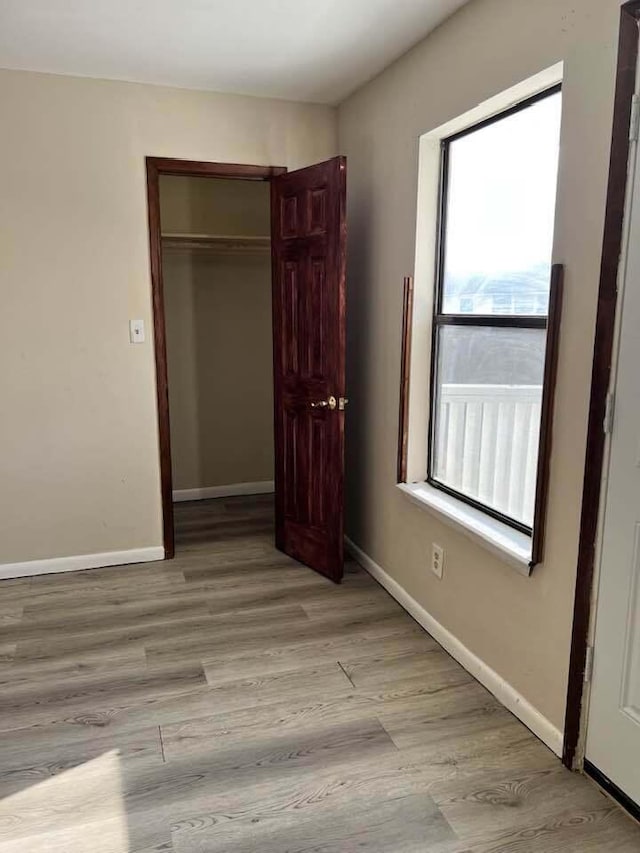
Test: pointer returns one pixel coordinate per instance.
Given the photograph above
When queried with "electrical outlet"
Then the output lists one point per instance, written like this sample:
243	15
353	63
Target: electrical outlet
437	560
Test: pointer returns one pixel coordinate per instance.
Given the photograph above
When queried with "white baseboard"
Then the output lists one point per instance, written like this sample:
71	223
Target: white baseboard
262	488
489	678
81	561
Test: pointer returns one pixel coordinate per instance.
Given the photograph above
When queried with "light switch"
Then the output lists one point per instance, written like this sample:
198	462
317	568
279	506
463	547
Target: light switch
136	331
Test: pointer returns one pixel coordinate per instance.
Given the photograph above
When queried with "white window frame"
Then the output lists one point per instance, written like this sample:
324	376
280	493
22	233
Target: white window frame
501	539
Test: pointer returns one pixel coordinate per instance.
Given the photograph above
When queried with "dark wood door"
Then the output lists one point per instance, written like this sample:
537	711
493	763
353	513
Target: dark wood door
308	249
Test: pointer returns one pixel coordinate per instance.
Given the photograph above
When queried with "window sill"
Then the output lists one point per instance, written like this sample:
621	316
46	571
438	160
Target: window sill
503	541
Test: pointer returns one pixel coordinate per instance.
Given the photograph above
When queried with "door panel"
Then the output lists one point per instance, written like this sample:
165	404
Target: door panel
308	246
613	730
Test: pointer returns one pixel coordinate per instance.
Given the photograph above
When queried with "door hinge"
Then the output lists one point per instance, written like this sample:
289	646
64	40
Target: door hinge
609	407
588	665
634	124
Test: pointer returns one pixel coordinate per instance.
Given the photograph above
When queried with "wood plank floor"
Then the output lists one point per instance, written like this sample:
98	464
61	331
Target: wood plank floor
232	700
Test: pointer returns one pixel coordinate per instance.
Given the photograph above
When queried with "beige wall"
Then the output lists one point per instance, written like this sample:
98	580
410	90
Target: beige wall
214	206
79	468
219	335
519	626
78	432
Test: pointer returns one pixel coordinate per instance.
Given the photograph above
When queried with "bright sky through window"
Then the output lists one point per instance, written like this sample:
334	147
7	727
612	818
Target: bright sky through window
501	194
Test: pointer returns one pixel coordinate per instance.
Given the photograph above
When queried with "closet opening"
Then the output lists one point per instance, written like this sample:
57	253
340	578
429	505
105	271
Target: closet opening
248	281
210	232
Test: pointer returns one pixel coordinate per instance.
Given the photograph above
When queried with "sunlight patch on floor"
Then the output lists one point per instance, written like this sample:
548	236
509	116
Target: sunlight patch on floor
75	811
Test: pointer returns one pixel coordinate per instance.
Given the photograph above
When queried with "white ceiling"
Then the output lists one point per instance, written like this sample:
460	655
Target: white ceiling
309	50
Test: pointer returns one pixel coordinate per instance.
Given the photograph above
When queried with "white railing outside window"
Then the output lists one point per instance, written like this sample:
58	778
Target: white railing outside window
487	445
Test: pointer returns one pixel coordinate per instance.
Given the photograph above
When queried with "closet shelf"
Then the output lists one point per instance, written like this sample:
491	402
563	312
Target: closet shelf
230	244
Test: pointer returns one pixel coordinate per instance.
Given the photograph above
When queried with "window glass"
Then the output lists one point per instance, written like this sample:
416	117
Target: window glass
487	415
496	233
499	213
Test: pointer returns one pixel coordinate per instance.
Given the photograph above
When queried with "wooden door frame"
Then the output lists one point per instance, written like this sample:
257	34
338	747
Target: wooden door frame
601	372
157	166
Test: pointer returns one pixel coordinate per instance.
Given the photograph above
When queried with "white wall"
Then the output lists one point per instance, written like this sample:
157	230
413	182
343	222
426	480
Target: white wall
520	627
79	469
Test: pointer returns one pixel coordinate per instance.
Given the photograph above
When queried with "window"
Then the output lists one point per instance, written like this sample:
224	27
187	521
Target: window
497	202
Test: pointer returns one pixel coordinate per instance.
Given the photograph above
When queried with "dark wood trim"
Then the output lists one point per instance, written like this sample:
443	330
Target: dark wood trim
405	374
603	345
546	413
157	166
160	348
497	321
201	169
612	789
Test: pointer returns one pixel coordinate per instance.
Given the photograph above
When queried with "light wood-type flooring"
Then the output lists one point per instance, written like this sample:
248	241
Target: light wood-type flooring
233	701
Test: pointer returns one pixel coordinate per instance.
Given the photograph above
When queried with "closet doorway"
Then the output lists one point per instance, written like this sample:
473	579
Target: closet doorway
248	281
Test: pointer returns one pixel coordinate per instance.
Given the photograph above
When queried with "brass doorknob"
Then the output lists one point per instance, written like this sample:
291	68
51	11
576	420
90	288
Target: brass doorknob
331	403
